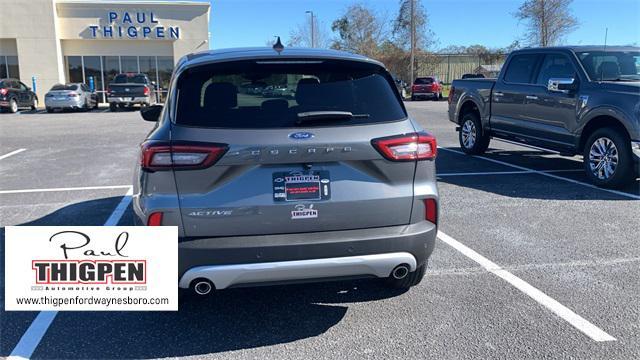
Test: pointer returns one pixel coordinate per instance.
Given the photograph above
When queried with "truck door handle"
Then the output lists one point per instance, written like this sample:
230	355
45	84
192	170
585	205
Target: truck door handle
498	94
532	97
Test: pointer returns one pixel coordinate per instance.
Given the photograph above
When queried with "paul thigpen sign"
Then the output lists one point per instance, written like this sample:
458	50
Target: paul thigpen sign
91	268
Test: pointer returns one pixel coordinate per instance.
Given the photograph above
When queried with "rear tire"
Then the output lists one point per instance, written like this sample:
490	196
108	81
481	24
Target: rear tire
607	158
473	140
34	105
113	107
413	98
49	110
440	96
412	279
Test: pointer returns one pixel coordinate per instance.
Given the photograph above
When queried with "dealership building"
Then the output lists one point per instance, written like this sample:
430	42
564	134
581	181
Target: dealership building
45	42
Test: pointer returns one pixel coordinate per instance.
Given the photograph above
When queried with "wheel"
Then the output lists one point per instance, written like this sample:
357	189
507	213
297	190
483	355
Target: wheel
34	105
413	98
13	106
49	110
95	106
440	96
607	158
472	139
113	107
412	279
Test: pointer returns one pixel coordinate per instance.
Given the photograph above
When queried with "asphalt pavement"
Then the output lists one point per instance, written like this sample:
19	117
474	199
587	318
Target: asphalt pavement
532	262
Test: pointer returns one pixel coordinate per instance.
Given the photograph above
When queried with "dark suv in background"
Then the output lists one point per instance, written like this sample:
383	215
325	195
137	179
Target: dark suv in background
335	182
15	95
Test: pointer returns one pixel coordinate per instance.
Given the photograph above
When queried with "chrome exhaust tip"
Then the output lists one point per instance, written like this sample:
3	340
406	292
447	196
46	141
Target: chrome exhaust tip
400	272
202	287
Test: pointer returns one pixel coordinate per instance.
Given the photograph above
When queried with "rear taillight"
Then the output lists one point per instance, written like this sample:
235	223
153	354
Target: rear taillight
108	90
72	95
155	219
3	91
146	90
452	91
414	87
157	156
414	146
431	210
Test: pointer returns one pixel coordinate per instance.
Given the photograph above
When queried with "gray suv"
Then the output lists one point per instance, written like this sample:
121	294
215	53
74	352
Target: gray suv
335	182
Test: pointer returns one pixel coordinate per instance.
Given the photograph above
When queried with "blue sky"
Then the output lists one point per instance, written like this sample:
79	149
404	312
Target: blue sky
237	23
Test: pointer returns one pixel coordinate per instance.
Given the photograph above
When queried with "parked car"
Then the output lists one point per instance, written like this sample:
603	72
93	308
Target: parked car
581	100
129	89
341	184
401	86
15	95
428	87
74	96
473	76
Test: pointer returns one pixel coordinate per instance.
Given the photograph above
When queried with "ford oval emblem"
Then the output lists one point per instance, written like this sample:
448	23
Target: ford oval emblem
303	135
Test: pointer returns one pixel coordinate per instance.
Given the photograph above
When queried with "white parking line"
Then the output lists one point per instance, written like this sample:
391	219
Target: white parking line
19	191
577	321
11	153
34	334
621	193
505	172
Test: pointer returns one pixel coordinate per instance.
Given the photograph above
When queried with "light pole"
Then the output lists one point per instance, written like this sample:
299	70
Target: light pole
413	40
312	30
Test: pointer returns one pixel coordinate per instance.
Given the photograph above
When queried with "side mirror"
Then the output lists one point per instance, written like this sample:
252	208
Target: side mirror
151	113
561	85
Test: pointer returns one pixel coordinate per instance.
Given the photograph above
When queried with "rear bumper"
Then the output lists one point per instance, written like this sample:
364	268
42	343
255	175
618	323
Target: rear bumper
224	276
279	258
129	100
62	104
424	94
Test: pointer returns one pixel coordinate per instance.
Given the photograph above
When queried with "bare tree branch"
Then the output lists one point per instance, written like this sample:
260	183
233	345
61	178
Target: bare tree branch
548	21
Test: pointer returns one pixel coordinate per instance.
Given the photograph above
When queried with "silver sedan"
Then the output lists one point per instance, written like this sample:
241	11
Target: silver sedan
75	96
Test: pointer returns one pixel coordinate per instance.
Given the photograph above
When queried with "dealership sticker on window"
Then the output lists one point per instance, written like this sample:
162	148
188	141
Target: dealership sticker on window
102	268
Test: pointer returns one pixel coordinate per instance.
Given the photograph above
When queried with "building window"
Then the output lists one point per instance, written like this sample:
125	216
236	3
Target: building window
9	67
129	64
165	69
93	70
104	69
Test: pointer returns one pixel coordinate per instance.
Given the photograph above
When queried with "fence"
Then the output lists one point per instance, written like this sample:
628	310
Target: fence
452	66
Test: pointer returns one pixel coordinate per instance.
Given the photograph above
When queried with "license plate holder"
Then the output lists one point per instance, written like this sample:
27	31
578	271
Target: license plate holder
301	186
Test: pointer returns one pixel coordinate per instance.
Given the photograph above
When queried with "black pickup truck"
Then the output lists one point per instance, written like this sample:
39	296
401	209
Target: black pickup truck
582	100
130	89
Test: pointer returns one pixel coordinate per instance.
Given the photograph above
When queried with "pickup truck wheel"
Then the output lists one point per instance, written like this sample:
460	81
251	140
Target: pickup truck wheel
607	158
472	140
113	107
412	279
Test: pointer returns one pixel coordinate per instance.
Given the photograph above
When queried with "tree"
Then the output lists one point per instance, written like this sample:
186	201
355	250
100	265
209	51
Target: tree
548	21
301	35
360	30
424	37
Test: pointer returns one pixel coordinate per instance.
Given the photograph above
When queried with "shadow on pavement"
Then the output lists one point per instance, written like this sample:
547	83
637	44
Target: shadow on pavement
529	185
232	319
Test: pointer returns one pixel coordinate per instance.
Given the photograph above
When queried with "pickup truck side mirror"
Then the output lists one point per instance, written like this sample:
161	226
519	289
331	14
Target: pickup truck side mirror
151	113
562	85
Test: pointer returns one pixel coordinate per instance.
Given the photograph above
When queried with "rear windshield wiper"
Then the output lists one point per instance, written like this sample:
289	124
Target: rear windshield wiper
311	116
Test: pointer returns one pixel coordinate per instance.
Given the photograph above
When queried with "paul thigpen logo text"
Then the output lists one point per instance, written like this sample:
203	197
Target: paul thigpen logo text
118	270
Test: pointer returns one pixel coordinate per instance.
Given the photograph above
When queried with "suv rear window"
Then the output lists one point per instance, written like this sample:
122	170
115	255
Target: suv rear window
136	79
271	94
65	87
423	81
